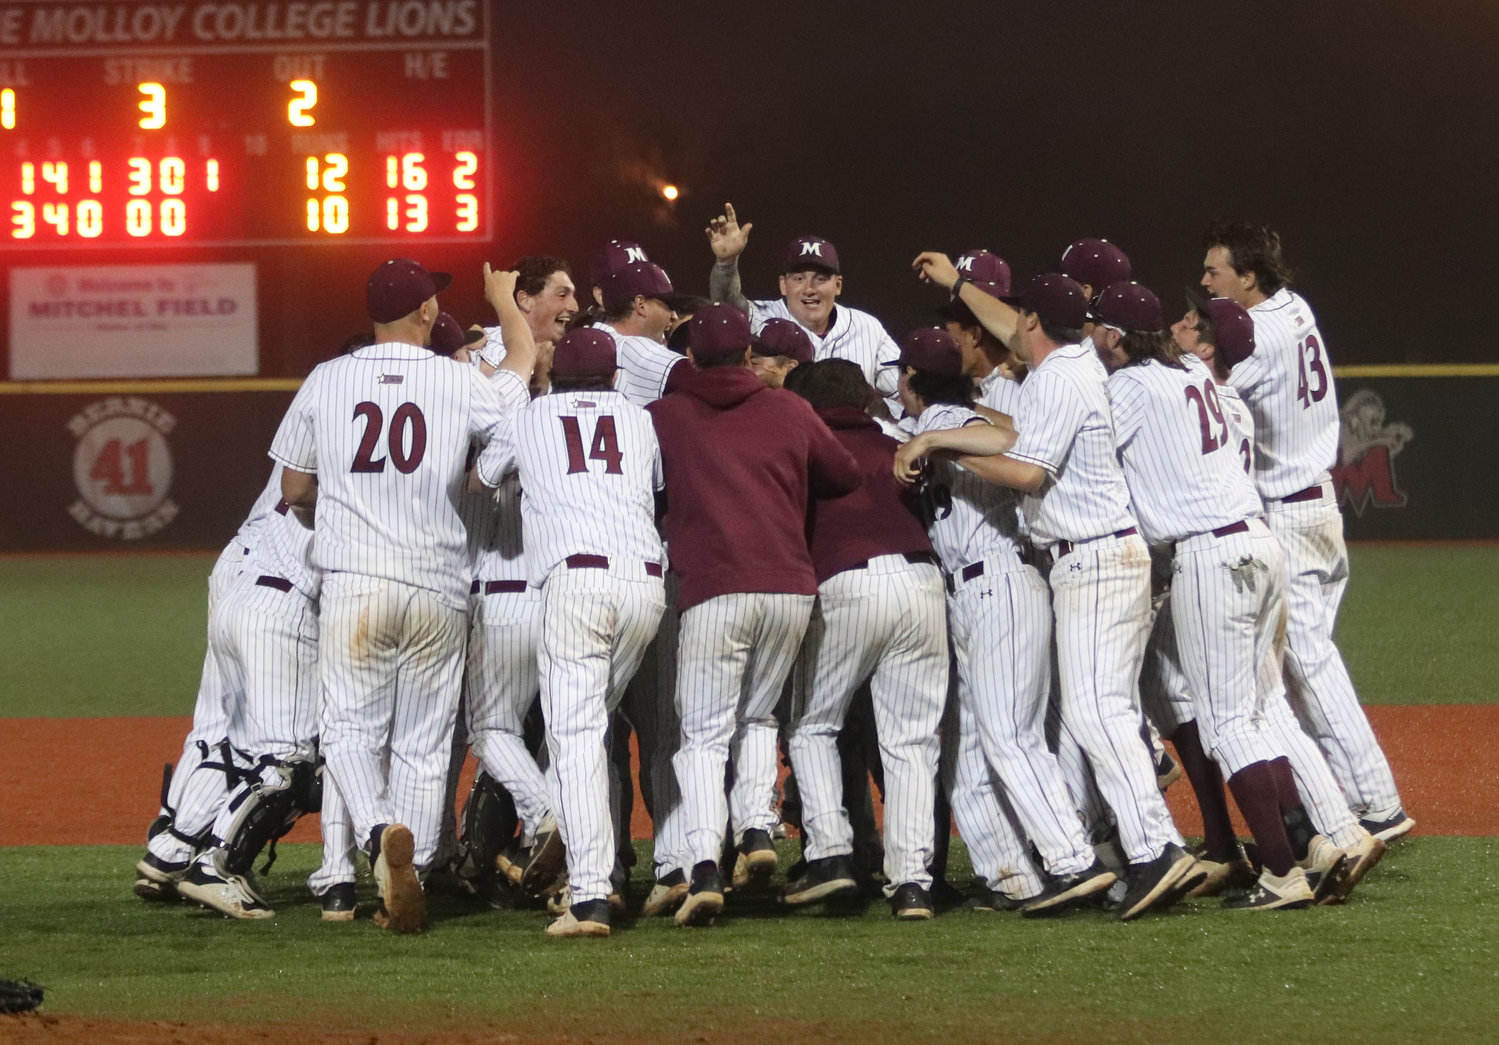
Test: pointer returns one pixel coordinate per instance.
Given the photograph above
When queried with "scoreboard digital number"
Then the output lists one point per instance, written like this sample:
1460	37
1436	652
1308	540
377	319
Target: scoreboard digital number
244	124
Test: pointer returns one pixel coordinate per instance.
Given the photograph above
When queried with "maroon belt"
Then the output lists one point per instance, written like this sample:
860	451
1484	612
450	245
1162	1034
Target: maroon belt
601	562
968	573
914	558
497	587
1232	528
279	583
1068	547
1311	493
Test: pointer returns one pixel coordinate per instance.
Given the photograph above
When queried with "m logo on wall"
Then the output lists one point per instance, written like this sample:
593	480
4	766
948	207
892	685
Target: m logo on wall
1365	472
122	468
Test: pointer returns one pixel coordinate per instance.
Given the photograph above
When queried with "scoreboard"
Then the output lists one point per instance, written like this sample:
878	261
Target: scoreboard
142	125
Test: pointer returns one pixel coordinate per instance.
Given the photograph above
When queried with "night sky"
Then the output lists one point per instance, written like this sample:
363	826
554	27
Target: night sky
1363	132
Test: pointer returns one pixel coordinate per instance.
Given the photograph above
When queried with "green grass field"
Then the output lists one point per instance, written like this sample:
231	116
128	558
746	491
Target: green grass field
1414	956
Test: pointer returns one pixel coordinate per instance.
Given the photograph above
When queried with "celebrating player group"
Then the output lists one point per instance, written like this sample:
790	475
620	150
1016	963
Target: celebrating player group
990	566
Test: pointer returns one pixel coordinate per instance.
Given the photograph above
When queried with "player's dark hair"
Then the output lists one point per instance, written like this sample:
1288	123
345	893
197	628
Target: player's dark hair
680	338
582	383
831	383
355	342
1252	247
956	389
1157	345
1059	334
590	316
536	269
614	315
797	376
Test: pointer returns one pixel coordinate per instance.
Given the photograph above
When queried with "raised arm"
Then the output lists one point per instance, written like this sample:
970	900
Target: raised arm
728	239
520	348
997	317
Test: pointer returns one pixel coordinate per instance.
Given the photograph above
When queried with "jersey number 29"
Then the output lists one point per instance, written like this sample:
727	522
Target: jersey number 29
1214	428
605	445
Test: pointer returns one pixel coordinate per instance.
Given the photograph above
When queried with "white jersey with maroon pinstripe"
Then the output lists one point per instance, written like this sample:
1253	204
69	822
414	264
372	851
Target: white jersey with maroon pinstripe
1178	450
588	463
1065	427
1241	421
999	391
386	429
1287	382
968	518
852	334
644	365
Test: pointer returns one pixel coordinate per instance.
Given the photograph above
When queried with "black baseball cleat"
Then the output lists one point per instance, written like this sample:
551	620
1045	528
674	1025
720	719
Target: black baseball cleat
1161	882
230	894
1396	825
339	902
156	879
666	895
589	918
1069	890
988	901
911	903
822	879
704	897
755	860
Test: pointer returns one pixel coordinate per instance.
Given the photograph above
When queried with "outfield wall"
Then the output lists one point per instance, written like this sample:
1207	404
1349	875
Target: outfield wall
176	464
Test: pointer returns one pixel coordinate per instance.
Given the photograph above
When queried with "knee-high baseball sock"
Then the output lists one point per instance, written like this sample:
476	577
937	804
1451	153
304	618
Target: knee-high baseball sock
1207	784
1299	827
1255	792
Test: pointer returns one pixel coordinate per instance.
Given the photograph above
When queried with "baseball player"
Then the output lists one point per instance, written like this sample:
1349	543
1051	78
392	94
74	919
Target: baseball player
589	465
880	616
1000	625
810	282
1189	491
639	306
1077	508
612	257
376	443
1094	264
741	461
1287	383
780	347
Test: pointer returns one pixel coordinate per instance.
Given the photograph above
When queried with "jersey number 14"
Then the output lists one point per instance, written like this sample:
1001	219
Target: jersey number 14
605	445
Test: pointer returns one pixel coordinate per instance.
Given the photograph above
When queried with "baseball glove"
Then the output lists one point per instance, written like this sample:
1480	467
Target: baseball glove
19	995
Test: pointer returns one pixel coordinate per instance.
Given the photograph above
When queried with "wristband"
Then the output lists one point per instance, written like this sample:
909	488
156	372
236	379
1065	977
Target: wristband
958	286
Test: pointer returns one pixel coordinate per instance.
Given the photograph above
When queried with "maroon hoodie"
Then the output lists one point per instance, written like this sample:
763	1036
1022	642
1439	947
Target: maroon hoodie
879	518
740	460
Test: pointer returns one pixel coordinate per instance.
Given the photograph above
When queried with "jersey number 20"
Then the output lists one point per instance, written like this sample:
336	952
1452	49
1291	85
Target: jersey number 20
605	445
407	416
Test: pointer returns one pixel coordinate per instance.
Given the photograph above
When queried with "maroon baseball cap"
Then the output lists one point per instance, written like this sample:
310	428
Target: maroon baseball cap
987	271
398	287
781	337
810	252
1055	298
448	337
1129	307
931	350
584	352
621	287
614	256
1096	262
718	330
1233	328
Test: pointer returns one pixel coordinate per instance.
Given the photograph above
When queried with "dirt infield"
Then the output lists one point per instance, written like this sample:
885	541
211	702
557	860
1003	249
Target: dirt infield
95	781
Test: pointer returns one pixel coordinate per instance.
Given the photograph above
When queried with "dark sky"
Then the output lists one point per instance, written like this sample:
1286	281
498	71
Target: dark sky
1364	132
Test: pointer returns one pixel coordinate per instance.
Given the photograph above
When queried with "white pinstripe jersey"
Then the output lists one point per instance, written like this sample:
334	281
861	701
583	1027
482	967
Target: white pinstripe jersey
1179	452
283	546
1287	382
967	518
853	335
492	519
1065	427
643	365
1242	422
589	467
387	431
998	392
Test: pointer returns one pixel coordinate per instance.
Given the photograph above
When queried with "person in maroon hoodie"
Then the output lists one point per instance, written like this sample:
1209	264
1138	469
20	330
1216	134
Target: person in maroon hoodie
742	462
881	615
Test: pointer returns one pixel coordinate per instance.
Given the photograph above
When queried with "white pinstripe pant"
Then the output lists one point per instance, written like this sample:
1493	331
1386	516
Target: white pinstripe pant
501	680
1101	596
390	664
1320	691
886	620
1001	629
734	653
1228	598
595	626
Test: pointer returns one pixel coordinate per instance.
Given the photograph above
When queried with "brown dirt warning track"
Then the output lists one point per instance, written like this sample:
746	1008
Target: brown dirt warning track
71	781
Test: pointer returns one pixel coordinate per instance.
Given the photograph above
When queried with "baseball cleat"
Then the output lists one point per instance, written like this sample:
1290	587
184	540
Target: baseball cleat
590	918
666	895
1161	882
1362	859
339	902
1167	771
229	894
1273	892
403	905
911	903
989	901
1069	890
755	861
1325	866
705	897
156	880
823	878
1397	825
1223	875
